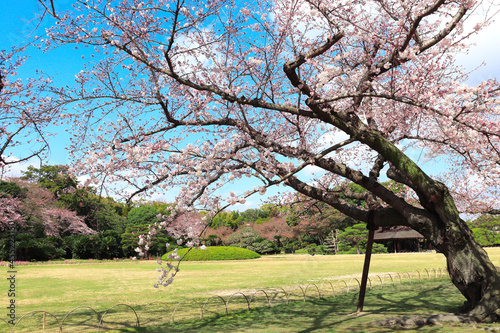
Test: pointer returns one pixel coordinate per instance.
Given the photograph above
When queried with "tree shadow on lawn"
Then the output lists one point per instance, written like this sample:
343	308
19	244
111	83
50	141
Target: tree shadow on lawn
334	314
384	303
442	298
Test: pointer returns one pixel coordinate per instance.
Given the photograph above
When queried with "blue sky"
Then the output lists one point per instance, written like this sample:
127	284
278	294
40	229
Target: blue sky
17	19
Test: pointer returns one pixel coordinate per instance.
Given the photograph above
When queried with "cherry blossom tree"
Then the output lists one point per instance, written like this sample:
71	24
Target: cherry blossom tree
192	95
218	235
40	206
275	227
188	225
27	110
58	221
10	218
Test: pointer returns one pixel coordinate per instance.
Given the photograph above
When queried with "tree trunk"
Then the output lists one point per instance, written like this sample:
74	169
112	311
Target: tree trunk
438	220
469	266
473	273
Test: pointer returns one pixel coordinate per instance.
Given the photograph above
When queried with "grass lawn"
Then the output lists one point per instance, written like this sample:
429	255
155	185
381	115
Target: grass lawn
59	288
336	314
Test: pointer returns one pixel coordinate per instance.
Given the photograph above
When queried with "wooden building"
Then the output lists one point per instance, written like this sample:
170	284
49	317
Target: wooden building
400	239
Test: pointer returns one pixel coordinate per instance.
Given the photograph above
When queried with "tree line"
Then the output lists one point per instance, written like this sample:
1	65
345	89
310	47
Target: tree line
57	218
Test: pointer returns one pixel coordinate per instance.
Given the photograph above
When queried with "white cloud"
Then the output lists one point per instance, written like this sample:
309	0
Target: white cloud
14	170
486	49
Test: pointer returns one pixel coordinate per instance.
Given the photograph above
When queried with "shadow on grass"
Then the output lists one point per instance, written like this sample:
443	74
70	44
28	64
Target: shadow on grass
427	297
332	314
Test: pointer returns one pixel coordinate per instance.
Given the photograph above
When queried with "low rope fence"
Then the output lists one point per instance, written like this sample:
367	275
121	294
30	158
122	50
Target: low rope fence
87	319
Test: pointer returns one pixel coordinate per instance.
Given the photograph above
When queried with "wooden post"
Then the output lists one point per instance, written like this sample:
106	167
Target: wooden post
366	268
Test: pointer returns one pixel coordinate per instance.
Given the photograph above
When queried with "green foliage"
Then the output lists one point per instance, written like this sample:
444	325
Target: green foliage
261	220
54	178
486	230
103	245
212	240
336	220
69	243
104	215
162	208
353	241
227	219
249	238
265	246
216	253
290	245
12	189
109	245
313	249
234	219
83	247
346	248
395	187
293	219
130	238
142	215
251	215
486	237
272	210
99	213
29	247
379	248
356	189
314	222
352	237
108	216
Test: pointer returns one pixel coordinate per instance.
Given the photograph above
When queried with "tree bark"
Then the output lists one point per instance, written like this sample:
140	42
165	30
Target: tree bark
469	266
470	269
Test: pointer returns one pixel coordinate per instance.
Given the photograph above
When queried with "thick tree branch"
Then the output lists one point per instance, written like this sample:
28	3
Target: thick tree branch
381	216
291	66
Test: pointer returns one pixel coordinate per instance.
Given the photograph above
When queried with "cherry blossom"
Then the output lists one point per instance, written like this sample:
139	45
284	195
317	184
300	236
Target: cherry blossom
10	216
27	107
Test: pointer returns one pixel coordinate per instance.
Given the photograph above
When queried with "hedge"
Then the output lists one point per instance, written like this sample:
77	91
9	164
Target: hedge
216	253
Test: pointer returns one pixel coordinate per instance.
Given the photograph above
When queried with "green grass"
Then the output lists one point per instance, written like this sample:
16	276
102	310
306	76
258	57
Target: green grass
336	314
59	288
215	253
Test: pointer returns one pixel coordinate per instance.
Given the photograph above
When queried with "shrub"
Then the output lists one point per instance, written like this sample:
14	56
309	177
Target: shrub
216	253
290	245
28	247
264	247
379	248
313	249
103	245
345	248
250	239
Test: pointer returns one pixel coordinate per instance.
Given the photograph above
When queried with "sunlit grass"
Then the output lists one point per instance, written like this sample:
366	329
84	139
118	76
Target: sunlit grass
338	314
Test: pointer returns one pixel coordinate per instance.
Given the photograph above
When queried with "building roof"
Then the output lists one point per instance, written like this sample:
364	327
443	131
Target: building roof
397	234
